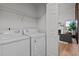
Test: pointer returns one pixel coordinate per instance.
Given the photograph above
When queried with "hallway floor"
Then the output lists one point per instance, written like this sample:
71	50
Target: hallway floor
69	49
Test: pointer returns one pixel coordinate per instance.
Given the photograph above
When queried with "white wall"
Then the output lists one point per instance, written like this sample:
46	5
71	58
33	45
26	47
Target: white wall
56	13
66	12
23	15
20	8
17	16
52	37
42	17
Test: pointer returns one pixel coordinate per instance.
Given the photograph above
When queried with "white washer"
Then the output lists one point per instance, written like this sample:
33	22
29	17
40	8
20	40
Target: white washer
14	45
37	43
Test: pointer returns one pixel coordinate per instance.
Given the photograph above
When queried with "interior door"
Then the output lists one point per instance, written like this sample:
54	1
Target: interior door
77	18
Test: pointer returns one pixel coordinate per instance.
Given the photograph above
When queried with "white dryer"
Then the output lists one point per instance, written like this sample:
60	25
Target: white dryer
37	43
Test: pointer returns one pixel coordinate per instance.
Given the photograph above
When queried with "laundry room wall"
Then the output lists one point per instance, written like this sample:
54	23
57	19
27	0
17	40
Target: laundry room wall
17	16
42	17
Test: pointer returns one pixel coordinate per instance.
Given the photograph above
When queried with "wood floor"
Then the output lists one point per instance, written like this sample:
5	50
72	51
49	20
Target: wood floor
69	49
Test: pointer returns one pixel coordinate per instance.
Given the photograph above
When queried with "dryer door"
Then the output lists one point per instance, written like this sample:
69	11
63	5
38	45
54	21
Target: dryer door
38	46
